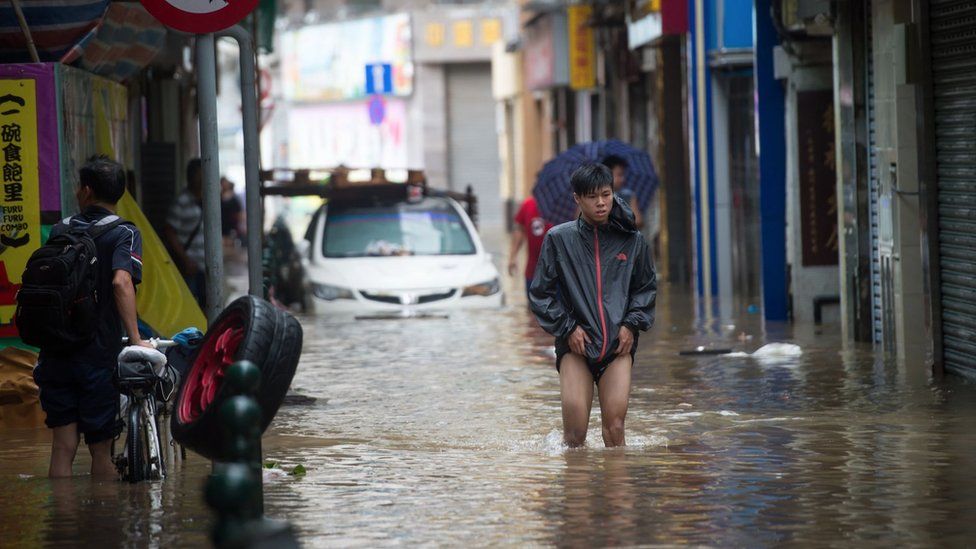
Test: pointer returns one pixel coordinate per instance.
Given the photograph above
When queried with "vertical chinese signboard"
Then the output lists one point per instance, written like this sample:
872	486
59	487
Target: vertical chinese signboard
818	178
582	48
20	205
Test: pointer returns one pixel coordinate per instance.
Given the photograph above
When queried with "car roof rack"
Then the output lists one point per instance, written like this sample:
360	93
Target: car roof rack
334	185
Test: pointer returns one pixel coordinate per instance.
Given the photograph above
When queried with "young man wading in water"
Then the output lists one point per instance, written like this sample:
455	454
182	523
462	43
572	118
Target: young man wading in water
594	290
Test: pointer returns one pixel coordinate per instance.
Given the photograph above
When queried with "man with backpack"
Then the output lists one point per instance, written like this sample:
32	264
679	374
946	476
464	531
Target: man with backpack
77	301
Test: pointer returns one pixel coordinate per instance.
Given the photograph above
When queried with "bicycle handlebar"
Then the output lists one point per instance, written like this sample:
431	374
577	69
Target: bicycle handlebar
156	342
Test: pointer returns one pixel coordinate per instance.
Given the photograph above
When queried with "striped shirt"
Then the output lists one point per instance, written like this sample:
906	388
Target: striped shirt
185	217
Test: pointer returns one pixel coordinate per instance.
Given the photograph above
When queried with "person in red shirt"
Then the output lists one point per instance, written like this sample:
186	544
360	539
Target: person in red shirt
530	227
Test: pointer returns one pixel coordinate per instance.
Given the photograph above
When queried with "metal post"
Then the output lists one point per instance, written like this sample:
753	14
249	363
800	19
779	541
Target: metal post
210	163
252	181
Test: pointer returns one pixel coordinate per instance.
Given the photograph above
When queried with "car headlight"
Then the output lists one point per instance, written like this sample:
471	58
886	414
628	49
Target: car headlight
331	293
484	289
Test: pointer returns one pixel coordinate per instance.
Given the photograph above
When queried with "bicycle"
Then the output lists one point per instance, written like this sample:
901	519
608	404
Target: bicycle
144	378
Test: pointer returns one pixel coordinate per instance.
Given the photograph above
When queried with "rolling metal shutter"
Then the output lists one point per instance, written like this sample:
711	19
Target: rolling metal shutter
953	44
473	139
874	186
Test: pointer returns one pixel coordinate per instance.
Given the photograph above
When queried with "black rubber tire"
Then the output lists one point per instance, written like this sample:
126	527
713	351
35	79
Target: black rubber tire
275	381
269	337
135	449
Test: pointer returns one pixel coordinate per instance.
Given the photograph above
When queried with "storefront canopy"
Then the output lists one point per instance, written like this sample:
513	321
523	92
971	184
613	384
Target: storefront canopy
111	39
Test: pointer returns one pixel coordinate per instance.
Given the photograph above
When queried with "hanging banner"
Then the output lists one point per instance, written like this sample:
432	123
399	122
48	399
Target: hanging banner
20	201
818	178
582	48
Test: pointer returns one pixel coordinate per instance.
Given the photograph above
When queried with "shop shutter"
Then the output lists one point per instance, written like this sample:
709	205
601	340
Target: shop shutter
473	140
874	187
953	45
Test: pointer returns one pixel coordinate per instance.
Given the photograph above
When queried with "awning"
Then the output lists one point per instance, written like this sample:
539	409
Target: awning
111	39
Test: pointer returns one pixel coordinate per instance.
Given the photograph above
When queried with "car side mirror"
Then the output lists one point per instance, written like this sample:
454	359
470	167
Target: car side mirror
304	247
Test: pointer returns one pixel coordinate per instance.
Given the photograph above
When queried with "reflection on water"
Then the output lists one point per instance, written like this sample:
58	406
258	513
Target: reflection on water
448	432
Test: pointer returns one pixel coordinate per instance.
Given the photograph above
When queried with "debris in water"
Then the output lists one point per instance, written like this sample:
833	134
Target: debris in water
702	350
773	350
296	399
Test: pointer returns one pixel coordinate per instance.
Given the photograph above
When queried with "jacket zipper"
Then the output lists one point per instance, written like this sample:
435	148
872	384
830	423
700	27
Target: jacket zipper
599	290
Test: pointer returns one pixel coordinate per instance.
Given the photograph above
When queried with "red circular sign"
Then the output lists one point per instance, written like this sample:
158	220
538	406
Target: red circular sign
199	16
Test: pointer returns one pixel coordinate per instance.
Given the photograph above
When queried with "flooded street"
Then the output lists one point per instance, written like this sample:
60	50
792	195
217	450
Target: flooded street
447	432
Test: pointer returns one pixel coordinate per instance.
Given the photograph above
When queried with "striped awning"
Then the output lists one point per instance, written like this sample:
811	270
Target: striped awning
111	39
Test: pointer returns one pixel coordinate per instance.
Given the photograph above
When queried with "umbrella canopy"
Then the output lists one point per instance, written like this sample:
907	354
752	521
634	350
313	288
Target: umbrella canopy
553	191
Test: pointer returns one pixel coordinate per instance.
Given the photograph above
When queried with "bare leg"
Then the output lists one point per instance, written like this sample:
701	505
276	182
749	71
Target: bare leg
576	389
614	390
102	467
63	449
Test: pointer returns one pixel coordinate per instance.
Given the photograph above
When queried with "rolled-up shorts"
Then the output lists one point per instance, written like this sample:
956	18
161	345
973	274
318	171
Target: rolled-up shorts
82	393
597	367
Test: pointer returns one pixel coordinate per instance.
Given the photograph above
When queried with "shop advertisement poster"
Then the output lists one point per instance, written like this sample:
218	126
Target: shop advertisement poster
20	205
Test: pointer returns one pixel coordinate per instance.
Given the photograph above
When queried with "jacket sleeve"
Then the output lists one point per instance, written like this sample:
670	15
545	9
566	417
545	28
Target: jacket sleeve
544	294
643	291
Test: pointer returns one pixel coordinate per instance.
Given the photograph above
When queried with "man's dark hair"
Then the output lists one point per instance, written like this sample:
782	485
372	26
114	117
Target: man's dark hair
193	168
612	161
590	178
104	176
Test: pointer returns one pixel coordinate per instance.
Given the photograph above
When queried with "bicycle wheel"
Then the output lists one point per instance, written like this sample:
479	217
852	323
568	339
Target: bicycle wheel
135	458
155	470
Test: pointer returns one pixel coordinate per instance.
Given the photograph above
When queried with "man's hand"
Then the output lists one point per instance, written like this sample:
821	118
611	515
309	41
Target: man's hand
512	268
626	339
578	340
142	343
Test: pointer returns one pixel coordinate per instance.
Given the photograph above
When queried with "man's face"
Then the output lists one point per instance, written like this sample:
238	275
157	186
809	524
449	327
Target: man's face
619	177
596	205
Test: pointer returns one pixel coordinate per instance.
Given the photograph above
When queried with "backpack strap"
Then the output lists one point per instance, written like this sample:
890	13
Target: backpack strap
104	225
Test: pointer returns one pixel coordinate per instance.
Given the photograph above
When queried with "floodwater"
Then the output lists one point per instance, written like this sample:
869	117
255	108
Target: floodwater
446	432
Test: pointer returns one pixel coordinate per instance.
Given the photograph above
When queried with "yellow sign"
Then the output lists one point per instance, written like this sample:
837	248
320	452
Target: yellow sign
20	192
491	31
582	48
434	34
463	33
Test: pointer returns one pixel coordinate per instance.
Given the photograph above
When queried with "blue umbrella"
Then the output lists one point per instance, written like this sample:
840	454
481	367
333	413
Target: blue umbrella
554	194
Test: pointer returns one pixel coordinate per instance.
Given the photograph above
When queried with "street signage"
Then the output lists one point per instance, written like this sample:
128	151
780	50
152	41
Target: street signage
377	110
199	16
379	78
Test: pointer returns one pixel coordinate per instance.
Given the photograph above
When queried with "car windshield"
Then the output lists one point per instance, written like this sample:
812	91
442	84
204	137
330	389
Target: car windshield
428	227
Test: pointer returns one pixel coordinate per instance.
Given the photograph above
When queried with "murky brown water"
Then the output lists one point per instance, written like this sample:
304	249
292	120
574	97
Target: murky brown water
447	432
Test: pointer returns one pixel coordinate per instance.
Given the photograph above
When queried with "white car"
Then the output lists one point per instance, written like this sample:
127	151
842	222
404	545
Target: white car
406	252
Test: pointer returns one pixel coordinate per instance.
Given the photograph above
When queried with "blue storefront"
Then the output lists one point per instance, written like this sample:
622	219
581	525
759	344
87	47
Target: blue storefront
736	135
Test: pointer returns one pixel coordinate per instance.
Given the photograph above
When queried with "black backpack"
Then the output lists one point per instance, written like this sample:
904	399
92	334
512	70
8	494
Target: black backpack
57	302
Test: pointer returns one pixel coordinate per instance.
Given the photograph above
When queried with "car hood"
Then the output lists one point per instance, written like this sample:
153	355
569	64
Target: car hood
403	273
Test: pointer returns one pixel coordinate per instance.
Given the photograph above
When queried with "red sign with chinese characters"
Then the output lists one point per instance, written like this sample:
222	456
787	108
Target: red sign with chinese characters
818	177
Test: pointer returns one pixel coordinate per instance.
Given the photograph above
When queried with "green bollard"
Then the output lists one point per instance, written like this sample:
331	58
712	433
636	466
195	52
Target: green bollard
234	490
243	378
242	415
